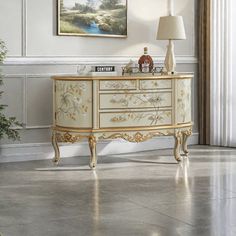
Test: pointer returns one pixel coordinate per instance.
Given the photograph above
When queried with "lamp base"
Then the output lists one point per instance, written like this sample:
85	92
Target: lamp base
170	63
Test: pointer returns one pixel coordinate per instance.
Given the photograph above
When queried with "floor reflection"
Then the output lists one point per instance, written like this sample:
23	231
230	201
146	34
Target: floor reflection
96	210
182	174
144	193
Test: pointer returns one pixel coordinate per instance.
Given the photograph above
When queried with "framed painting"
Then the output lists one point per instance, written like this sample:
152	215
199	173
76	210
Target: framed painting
103	18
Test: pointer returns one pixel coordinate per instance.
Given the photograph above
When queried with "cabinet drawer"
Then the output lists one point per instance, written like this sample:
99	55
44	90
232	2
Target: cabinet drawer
118	85
155	84
135	100
135	119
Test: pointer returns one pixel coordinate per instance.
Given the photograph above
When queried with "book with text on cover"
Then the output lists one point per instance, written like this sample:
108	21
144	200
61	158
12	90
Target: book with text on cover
103	71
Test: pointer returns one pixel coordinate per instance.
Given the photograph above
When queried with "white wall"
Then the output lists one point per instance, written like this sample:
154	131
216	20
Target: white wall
36	53
233	39
29	28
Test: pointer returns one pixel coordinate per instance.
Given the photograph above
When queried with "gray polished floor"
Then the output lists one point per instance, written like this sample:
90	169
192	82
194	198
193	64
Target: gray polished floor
140	194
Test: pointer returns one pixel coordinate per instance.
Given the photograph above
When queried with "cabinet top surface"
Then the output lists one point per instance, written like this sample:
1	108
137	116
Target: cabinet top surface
77	77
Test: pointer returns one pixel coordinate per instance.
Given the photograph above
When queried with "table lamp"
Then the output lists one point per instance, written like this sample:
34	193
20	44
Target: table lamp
170	28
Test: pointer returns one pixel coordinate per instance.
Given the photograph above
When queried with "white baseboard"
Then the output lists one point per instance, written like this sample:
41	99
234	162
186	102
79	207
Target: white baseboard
43	151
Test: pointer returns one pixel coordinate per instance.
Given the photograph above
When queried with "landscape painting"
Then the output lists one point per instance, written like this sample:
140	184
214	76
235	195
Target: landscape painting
106	18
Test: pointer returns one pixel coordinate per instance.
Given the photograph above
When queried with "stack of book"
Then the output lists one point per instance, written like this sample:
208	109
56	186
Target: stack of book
104	71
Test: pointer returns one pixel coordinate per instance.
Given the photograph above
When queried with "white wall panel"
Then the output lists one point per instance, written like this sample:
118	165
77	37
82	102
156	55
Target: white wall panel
13	96
11	25
40	69
39	102
142	27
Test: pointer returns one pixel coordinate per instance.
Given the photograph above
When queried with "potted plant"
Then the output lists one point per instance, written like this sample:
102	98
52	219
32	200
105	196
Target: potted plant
6	123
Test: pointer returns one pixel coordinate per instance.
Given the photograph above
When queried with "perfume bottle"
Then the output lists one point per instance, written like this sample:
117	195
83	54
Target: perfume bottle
145	62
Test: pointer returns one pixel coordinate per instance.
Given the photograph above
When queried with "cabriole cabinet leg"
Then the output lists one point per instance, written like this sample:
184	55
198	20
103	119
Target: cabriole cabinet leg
186	135
184	144
56	158
93	157
177	146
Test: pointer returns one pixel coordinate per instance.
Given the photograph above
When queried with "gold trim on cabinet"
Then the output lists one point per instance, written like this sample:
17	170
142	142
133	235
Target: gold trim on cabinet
157	77
136	137
155	89
66	137
127	110
137	91
143	128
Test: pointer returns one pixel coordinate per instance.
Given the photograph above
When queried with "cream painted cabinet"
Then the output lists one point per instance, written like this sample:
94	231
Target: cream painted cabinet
132	108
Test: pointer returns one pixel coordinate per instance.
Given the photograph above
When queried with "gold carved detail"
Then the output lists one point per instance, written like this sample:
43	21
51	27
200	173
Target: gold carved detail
92	141
136	137
68	138
188	132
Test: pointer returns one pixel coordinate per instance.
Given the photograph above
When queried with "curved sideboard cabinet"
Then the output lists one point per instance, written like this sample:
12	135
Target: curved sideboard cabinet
132	108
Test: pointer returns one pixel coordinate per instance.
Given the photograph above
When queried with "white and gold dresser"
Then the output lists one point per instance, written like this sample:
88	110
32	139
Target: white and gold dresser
134	108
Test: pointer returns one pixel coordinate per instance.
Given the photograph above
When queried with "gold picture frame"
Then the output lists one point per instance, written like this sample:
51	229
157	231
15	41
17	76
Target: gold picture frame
99	18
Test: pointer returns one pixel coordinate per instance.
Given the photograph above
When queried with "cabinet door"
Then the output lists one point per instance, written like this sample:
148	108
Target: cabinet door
183	96
73	104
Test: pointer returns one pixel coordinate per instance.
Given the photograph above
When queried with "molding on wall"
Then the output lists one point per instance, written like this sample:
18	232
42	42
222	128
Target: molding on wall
43	151
24	28
89	60
25	108
38	127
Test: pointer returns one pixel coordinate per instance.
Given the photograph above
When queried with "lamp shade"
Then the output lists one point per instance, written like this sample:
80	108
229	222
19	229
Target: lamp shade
171	27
